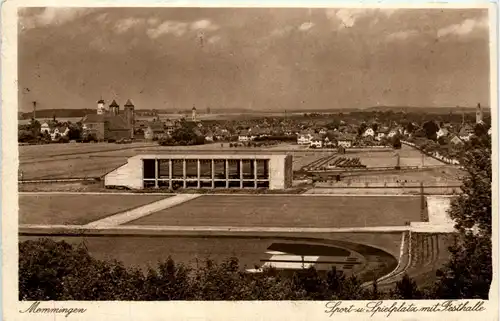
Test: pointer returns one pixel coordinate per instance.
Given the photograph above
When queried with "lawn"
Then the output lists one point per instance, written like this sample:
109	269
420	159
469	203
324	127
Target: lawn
51	150
289	211
76	209
70	167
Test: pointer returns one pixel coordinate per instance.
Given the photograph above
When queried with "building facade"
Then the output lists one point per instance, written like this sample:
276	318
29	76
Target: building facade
211	171
110	124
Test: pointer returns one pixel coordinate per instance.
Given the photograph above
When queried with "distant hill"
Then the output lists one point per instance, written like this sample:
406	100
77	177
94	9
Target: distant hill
68	113
430	110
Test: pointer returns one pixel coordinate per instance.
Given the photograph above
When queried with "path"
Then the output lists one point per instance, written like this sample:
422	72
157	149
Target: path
142	211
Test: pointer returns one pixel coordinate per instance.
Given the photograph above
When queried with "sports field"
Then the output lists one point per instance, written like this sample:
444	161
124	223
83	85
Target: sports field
76	209
388	158
143	252
288	211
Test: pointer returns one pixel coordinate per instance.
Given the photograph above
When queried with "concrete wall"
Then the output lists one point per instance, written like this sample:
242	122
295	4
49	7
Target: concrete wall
276	173
288	171
128	175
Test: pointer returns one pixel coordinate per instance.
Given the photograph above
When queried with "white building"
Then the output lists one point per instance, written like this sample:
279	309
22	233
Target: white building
442	132
316	142
369	132
304	139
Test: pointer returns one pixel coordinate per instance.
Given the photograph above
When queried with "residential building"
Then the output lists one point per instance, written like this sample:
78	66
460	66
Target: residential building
345	140
155	130
304	138
442	132
316	142
60	131
455	140
244	136
466	132
395	131
369	132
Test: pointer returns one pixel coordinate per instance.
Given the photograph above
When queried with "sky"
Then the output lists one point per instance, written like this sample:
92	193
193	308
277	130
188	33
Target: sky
265	59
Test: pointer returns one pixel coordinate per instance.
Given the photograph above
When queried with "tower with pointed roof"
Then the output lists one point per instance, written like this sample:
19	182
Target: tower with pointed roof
114	108
479	114
193	113
129	110
101	110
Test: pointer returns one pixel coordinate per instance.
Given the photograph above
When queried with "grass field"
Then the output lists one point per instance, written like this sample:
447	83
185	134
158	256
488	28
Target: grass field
76	209
142	252
289	211
72	167
51	150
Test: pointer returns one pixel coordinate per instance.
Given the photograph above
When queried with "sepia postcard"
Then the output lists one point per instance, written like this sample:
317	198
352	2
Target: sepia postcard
249	161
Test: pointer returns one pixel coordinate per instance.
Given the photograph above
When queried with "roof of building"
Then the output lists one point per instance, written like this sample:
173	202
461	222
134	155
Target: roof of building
114	122
101	101
317	138
346	136
114	104
156	126
128	103
93	118
465	130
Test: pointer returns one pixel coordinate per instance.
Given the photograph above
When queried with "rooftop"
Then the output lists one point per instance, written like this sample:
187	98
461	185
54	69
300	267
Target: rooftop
215	154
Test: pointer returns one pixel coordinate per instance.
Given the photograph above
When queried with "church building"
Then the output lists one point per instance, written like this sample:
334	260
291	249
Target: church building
112	123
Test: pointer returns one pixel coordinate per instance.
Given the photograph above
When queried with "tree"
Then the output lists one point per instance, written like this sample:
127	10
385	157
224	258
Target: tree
374	126
361	129
431	129
406	289
25	136
75	132
481	129
409	127
334	124
443	140
396	143
469	272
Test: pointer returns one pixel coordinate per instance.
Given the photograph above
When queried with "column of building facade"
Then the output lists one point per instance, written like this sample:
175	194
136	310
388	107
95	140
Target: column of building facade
241	173
156	173
170	174
254	162
184	173
213	173
198	172
226	170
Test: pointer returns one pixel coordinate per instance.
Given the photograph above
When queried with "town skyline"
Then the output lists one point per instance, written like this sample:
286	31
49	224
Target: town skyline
261	59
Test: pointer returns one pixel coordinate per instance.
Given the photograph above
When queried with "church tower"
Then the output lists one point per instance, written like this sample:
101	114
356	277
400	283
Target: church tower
479	114
129	110
193	114
101	110
114	108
